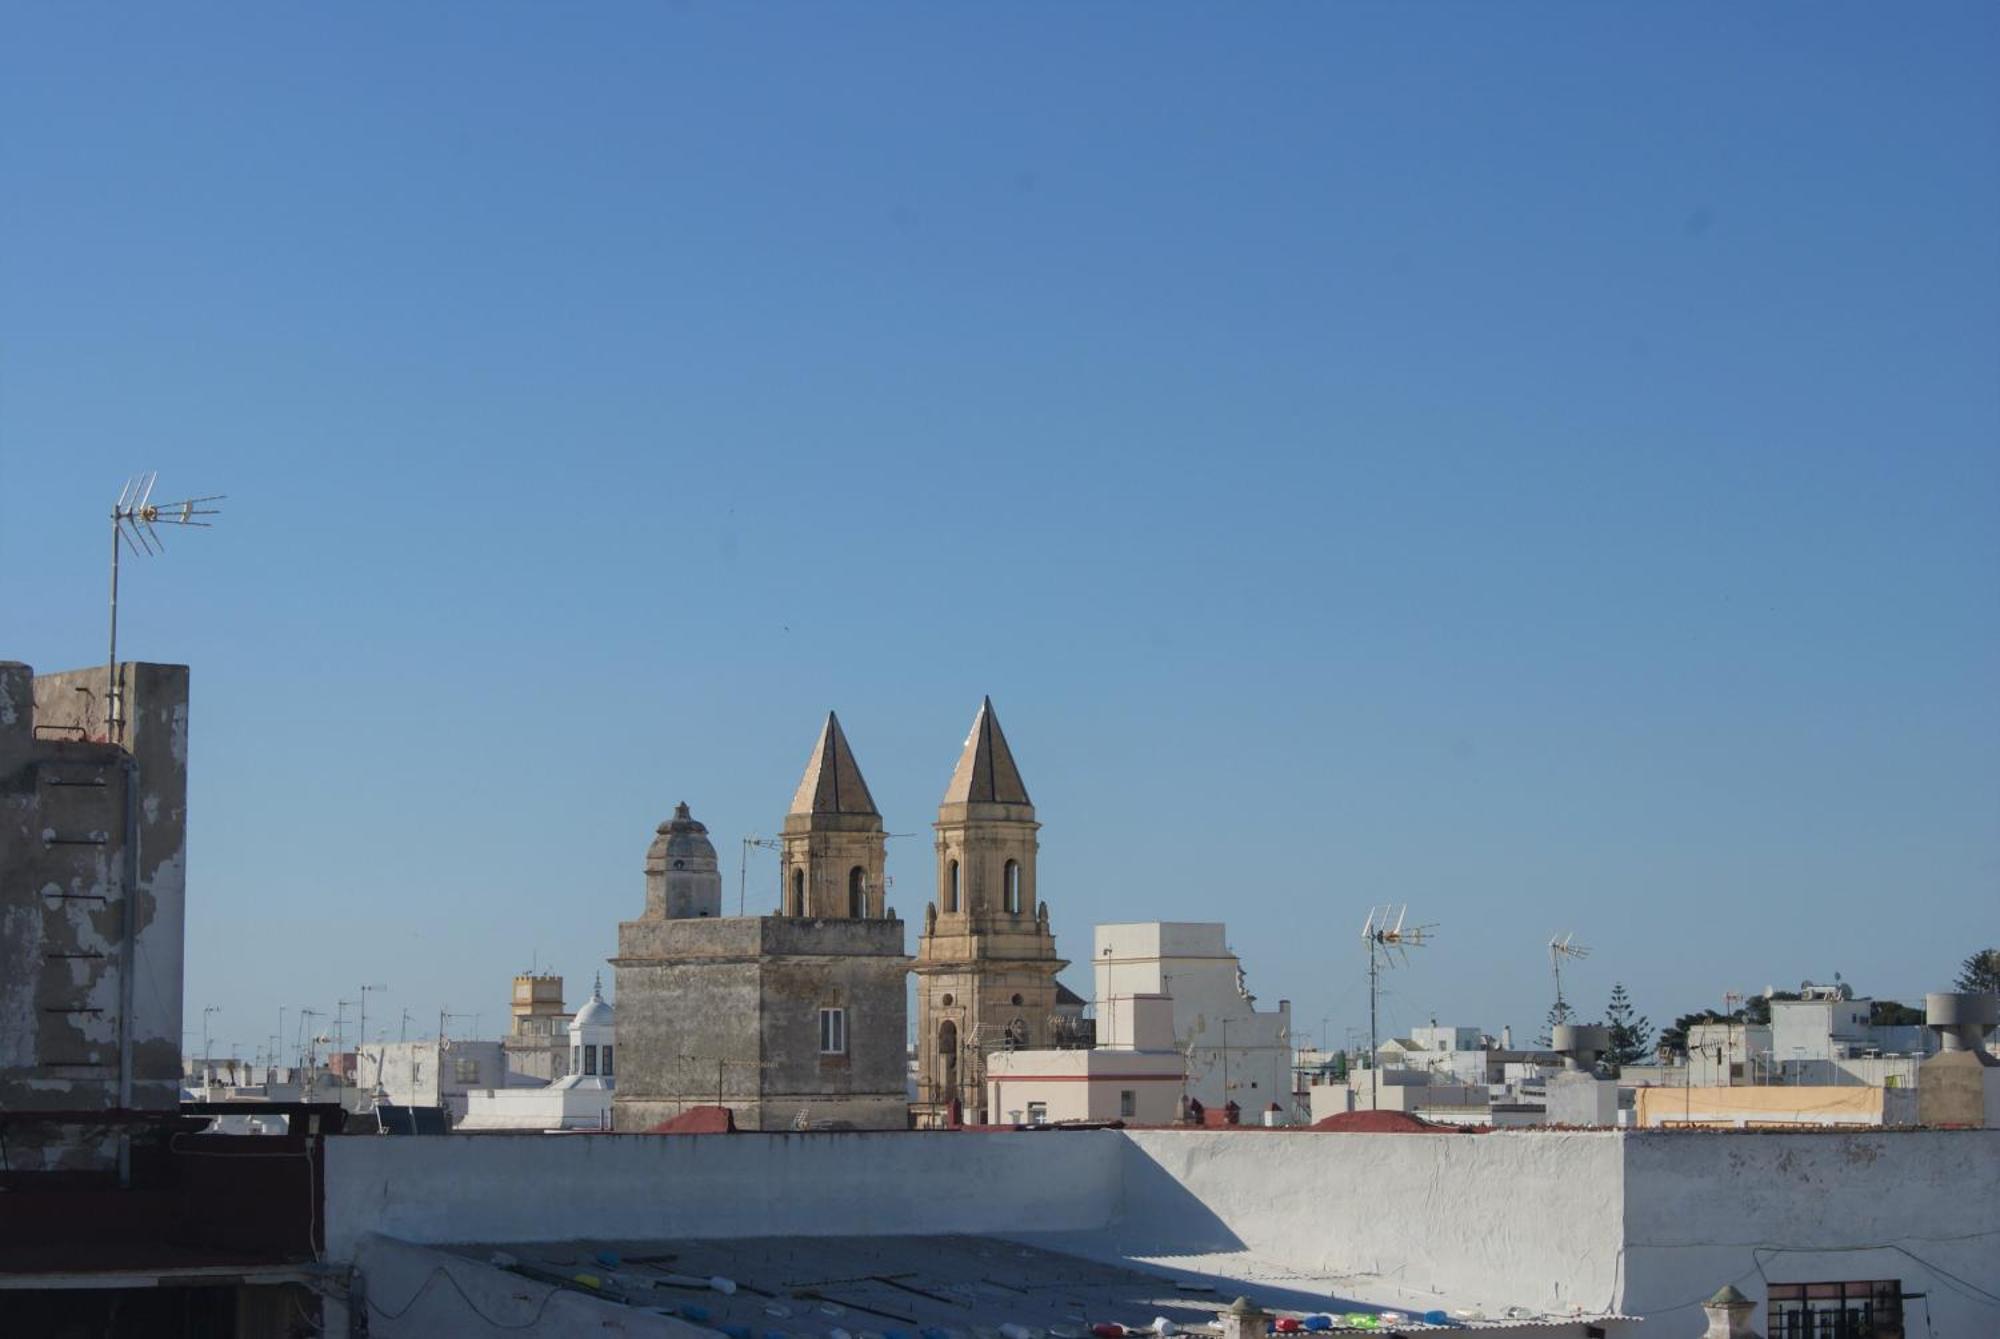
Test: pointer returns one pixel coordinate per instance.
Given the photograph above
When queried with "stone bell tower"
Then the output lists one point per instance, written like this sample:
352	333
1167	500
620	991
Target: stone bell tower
986	961
834	844
682	877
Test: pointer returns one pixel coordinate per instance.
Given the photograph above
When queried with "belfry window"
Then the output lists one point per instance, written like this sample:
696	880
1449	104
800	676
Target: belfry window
795	905
857	892
951	887
1012	883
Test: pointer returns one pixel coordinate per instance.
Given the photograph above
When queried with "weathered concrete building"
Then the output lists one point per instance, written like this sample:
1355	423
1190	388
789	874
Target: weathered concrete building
792	1020
986	961
92	892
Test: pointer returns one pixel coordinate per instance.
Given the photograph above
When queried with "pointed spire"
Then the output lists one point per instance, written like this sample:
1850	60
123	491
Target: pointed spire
986	773
832	783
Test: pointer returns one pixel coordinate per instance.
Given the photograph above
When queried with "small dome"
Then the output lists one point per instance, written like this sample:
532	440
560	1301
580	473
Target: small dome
595	1012
682	838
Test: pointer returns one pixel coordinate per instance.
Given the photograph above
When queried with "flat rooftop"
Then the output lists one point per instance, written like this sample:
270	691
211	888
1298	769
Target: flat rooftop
952	1287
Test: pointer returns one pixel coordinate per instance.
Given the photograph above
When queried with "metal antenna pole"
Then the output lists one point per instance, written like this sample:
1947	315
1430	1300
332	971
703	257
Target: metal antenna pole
1374	1080
133	518
1384	933
111	659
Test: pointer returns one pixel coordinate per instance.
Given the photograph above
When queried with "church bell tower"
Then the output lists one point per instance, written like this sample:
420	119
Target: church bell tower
986	961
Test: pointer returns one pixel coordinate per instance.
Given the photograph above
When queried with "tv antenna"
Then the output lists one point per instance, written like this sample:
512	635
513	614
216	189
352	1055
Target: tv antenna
743	868
133	518
1389	943
1558	950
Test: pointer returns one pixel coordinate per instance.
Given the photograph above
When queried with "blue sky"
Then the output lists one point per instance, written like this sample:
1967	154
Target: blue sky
1533	462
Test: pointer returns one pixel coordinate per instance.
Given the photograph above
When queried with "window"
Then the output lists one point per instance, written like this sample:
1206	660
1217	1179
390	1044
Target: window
1011	882
590	1059
1038	1113
951	887
857	892
833	1032
1836	1310
607	1062
465	1070
795	905
1017	1035
1128	1104
576	1060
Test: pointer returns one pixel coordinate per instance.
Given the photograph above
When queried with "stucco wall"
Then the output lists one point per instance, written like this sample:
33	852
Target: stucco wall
1704	1210
1650	1223
64	815
1494	1219
538	1188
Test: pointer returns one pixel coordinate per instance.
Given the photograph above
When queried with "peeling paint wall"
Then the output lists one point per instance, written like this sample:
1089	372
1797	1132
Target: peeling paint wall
66	870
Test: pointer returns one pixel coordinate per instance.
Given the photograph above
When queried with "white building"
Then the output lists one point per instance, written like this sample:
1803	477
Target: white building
580	1100
1135	1074
436	1073
1234	1051
1816	1039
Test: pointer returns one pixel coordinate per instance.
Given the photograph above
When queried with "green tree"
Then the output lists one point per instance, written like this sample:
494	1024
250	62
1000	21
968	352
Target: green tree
1631	1032
1980	973
1889	1013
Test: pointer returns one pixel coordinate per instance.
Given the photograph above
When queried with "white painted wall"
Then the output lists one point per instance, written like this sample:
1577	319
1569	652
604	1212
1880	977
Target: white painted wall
1502	1219
421	1073
1704	1210
1648	1221
498	1187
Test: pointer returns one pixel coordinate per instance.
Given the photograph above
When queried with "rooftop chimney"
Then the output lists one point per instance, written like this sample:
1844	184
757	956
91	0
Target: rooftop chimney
1580	1045
1962	1021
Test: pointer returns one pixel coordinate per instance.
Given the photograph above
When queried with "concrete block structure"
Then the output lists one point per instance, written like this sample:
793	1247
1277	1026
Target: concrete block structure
986	960
796	1020
1960	1085
93	880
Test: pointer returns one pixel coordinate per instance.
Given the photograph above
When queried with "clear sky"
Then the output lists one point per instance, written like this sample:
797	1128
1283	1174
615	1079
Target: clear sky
1535	462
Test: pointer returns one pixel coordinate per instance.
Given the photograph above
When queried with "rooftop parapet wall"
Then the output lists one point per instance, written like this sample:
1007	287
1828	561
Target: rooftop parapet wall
746	937
503	1188
1919	1206
1648	1223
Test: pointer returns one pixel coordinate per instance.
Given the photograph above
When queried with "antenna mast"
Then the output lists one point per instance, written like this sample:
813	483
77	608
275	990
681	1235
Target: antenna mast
1558	950
743	865
1387	939
133	517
